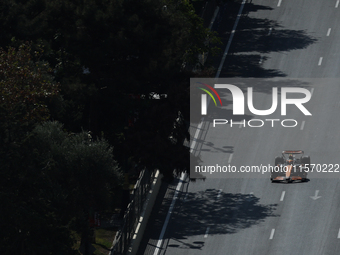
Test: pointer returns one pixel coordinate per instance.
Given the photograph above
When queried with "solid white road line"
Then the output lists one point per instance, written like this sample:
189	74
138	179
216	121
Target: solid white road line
302	125
337	4
320	61
207	232
166	222
282	195
230	39
214	17
329	31
195	136
272	233
279	3
230	158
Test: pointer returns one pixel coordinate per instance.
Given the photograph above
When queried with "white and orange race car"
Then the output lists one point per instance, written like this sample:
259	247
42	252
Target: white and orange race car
291	166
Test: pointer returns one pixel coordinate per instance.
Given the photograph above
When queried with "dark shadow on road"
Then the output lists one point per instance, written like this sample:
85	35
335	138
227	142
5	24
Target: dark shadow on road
253	38
223	213
194	212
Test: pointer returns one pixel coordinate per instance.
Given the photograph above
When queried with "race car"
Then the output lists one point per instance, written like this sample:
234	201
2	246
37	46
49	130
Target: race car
291	166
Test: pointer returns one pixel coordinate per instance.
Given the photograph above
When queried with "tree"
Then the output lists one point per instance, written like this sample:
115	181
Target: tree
62	178
48	178
104	51
84	170
25	87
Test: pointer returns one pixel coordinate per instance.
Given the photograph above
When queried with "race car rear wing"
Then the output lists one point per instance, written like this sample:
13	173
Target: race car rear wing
293	152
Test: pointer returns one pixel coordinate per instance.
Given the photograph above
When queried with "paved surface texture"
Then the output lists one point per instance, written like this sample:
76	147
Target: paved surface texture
275	38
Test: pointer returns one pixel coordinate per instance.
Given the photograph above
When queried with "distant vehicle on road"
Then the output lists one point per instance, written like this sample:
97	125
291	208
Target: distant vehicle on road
291	166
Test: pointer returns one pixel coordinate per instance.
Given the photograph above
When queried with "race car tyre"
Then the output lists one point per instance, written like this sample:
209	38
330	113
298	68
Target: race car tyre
305	160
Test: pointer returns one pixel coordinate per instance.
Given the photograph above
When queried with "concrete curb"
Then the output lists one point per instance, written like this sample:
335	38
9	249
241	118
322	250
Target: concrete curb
144	217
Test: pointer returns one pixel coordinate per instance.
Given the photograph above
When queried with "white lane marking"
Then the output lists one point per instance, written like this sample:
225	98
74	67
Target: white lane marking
302	125
316	196
272	233
339	233
230	158
219	193
311	92
207	232
166	222
329	31
214	17
282	195
270	31
261	60
279	3
320	61
195	136
230	39
337	4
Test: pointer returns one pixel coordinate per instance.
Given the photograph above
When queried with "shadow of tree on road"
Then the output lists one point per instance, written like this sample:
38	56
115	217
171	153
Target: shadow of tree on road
253	38
223	213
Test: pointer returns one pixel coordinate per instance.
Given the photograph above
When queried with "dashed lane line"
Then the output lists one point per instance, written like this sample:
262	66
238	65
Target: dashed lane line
230	158
219	193
206	232
329	31
282	195
302	125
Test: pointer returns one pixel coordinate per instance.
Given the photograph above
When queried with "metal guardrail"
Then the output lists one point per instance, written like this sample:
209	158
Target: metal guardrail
138	196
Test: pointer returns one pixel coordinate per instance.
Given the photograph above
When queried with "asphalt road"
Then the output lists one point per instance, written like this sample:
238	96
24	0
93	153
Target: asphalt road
297	41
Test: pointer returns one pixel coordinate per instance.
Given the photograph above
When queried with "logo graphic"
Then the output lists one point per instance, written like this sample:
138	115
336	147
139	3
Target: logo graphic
281	98
239	99
204	98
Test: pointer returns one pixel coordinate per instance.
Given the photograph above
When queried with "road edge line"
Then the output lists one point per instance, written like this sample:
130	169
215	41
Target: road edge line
167	219
145	215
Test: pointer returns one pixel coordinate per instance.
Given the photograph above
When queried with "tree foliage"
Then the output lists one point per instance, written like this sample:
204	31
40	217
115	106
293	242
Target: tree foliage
26	85
64	176
91	65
